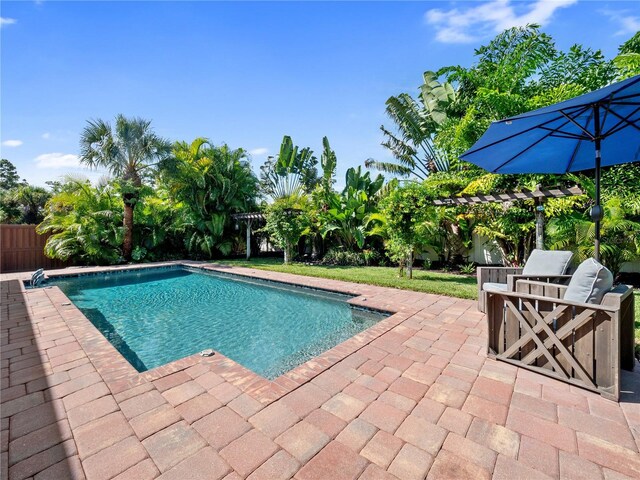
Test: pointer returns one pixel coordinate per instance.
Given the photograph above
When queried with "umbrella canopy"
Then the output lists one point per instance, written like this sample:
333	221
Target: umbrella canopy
600	128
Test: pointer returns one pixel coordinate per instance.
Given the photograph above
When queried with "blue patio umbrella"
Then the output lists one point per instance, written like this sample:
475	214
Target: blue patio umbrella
597	129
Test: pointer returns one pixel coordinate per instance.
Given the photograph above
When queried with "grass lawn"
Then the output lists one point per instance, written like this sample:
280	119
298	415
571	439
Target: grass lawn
450	284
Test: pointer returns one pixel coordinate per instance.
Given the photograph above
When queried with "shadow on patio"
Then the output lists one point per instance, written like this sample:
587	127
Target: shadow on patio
36	435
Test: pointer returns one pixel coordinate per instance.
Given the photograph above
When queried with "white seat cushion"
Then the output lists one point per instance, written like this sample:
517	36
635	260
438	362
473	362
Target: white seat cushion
494	287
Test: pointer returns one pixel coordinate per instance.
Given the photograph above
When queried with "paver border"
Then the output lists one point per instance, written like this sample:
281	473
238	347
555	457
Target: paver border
120	375
464	414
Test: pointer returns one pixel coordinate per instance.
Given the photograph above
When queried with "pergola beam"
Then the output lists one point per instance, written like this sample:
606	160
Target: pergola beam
508	197
537	194
247	216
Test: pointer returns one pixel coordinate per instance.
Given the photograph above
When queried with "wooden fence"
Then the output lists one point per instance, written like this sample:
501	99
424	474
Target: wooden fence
22	249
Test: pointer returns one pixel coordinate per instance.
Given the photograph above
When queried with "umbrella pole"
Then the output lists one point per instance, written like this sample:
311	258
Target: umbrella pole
596	212
598	208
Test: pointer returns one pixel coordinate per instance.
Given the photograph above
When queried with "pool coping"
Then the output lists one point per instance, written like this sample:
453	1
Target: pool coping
120	375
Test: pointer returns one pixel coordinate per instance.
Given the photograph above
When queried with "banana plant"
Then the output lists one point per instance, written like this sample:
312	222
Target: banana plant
416	122
328	162
351	218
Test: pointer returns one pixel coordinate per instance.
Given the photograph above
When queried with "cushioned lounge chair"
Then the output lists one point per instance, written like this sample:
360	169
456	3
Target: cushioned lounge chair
581	333
542	265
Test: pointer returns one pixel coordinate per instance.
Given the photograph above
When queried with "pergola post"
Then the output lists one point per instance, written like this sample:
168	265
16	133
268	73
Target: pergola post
540	227
248	218
248	239
539	220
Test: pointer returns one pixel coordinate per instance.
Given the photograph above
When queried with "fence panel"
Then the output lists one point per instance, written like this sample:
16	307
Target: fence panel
22	249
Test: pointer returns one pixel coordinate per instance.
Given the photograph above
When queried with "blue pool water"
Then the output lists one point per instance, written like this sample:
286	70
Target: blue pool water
158	316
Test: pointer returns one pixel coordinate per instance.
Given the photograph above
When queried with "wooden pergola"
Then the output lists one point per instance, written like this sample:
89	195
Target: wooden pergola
248	218
539	195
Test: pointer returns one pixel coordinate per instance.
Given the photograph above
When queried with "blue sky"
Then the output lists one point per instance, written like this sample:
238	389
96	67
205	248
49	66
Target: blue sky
248	73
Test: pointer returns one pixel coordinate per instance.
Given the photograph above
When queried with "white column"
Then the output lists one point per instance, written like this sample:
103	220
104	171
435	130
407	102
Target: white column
248	239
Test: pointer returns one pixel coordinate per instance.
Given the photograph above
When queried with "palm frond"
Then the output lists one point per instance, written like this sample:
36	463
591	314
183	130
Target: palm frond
389	167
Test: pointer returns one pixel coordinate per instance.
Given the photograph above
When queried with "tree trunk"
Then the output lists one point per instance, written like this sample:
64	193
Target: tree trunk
130	193
127	244
410	265
286	253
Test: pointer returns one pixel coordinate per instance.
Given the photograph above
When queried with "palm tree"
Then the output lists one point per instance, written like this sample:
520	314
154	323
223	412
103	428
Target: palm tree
351	216
31	201
416	123
128	151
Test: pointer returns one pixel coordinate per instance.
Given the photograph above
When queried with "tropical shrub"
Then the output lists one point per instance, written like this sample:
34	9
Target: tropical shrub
511	226
371	256
337	256
85	223
138	253
159	229
572	229
468	268
287	220
453	236
321	199
409	227
207	185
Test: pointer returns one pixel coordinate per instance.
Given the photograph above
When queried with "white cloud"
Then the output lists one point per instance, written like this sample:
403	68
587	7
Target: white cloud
57	160
627	23
256	152
12	143
469	24
46	136
4	21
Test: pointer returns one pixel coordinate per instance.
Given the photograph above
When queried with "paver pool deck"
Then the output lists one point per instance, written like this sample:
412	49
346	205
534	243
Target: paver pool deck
413	397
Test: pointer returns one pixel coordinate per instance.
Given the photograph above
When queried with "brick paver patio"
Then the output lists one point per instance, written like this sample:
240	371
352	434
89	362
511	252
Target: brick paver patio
413	397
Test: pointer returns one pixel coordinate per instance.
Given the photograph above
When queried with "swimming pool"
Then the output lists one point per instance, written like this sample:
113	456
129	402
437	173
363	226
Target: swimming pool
155	316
